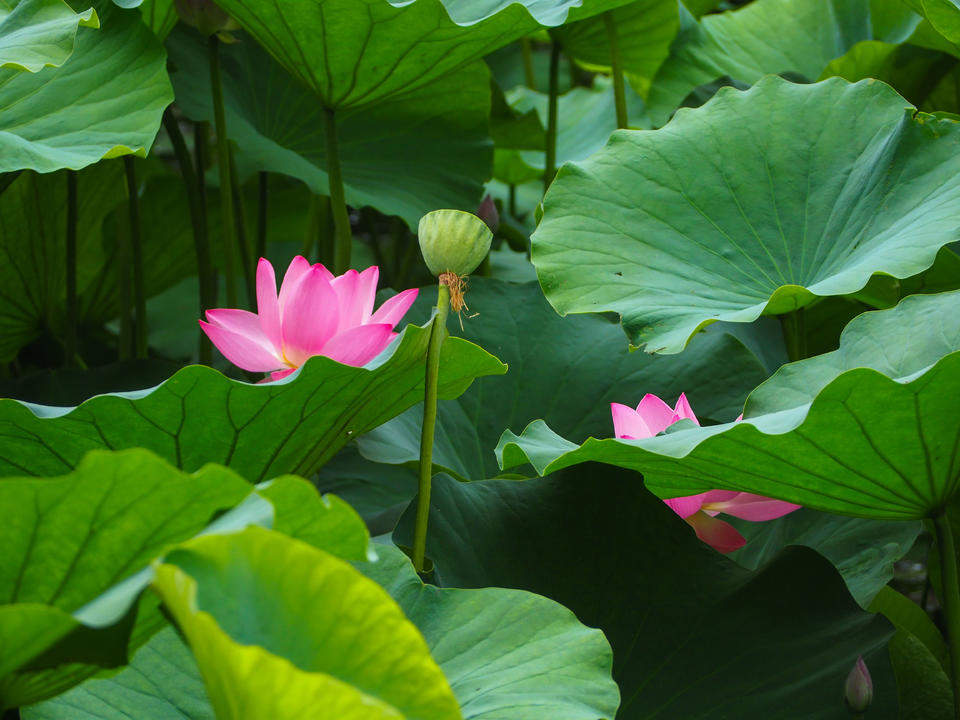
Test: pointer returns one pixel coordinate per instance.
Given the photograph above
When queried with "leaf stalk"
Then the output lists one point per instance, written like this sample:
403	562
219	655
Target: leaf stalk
950	600
342	239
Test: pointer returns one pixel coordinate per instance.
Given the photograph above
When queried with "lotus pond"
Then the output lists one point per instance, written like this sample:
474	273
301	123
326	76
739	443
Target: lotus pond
479	359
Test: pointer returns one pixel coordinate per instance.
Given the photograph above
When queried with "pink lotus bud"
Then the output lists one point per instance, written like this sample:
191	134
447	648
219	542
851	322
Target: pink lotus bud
488	213
858	690
205	15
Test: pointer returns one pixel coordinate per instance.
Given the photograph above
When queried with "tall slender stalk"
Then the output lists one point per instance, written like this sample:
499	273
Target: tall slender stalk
263	192
794	327
136	250
201	243
125	340
529	76
246	261
551	164
70	340
616	69
341	218
228	230
950	600
512	201
438	330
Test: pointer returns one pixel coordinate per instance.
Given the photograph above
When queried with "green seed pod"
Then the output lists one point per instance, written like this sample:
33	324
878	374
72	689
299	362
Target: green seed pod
453	241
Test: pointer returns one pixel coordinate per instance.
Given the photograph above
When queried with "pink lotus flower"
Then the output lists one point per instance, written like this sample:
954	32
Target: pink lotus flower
651	417
314	314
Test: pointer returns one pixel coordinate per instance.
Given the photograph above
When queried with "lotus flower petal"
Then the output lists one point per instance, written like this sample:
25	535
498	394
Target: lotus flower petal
359	345
719	535
755	508
627	423
240	349
311	316
268	304
685	506
656	414
395	308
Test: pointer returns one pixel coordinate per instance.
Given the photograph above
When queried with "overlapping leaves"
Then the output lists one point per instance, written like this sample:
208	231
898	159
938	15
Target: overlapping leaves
200	416
870	430
35	34
711	218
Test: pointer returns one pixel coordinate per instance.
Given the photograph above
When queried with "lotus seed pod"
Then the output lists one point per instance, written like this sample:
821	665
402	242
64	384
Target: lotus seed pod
205	15
453	241
858	690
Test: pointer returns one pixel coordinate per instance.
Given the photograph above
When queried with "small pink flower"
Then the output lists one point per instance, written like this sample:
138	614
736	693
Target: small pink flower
314	314
653	416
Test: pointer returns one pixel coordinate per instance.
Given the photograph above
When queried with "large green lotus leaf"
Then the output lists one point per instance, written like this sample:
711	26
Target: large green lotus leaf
645	30
505	653
357	52
35	34
694	635
864	551
106	100
772	36
870	430
711	218
73	538
160	16
77	560
571	385
260	430
406	155
281	629
943	15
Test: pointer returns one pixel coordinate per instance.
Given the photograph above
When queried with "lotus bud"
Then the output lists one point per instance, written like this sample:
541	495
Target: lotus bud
489	214
206	16
453	241
858	690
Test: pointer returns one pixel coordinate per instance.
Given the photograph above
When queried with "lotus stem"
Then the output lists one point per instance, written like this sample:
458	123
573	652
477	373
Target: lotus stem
512	201
201	242
125	339
529	76
263	193
794	327
229	233
551	164
438	330
246	261
136	248
950	600
342	239
616	69
70	341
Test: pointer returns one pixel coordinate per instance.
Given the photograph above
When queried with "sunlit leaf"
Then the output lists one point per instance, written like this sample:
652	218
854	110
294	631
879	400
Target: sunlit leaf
35	34
711	218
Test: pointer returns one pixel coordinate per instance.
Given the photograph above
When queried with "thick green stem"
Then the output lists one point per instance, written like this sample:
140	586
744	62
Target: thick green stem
228	232
950	600
551	165
341	218
201	243
616	69
438	330
246	261
512	201
70	341
126	294
529	75
263	192
794	327
136	250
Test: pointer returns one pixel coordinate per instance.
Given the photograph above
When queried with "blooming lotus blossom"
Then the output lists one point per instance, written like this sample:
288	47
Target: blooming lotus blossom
651	417
315	313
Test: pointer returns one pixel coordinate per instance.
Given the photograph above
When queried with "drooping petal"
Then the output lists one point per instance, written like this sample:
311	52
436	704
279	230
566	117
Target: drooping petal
683	409
240	349
359	345
719	535
627	423
240	321
656	414
685	506
310	316
755	508
393	310
268	305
